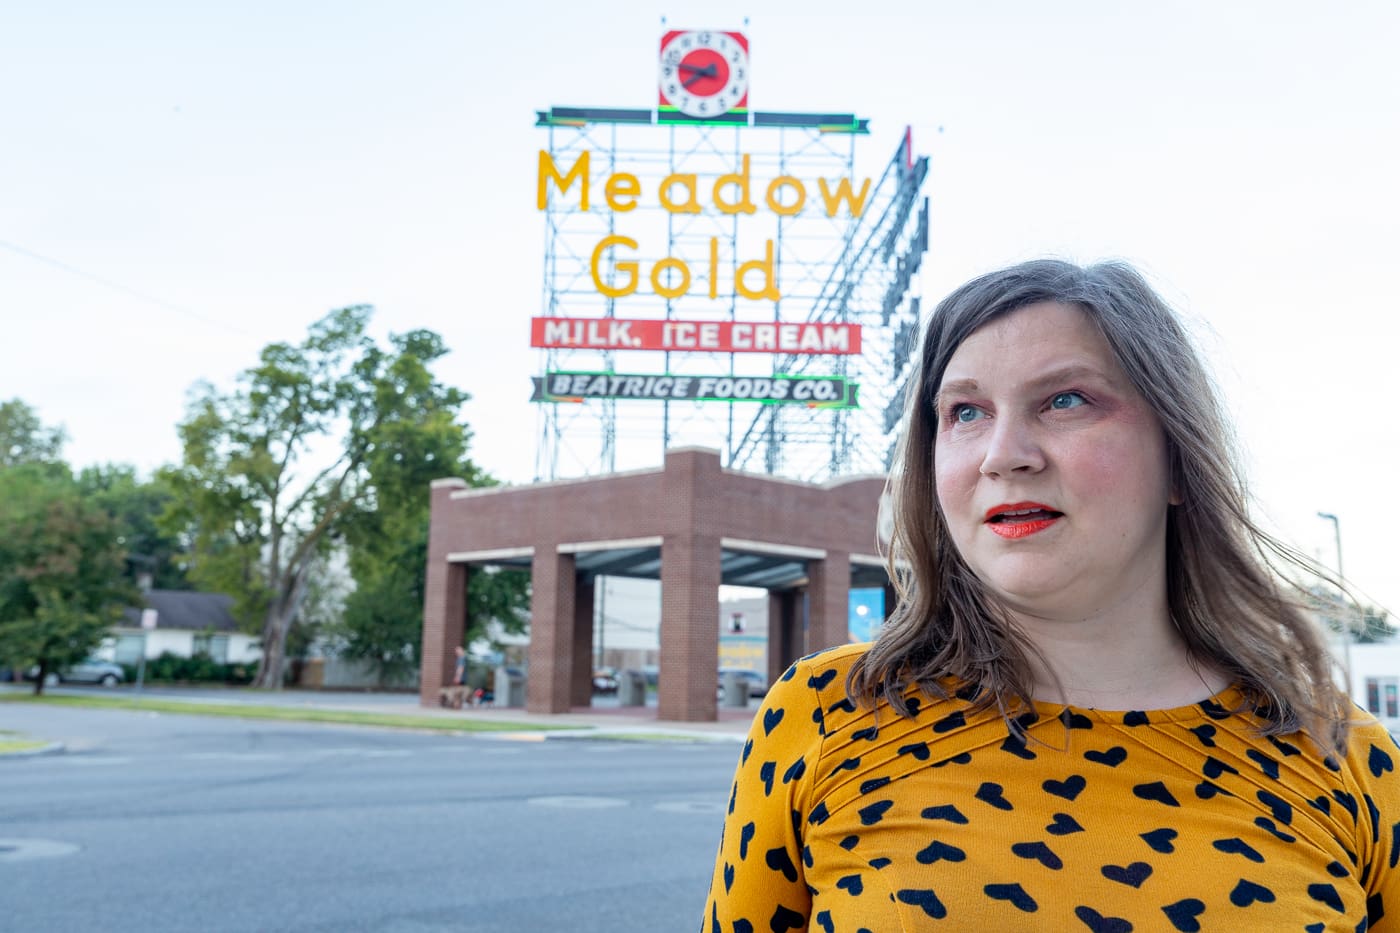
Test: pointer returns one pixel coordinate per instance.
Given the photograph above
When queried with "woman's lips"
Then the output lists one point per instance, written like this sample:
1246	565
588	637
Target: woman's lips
1020	519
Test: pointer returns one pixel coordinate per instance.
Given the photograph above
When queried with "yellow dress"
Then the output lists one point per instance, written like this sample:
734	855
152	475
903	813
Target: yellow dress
843	819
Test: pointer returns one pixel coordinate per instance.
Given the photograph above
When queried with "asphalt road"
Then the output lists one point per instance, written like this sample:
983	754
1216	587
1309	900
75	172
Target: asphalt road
156	822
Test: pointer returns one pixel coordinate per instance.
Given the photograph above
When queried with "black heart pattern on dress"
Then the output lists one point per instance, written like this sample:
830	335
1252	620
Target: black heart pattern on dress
950	722
1283	811
1214	767
1183	914
1247	892
1063	825
872	814
1237	846
990	793
1380	762
1263	822
1160	840
819	681
1132	875
771	718
1038	851
779	860
728	877
851	884
918	749
1113	757
1326	894
1265	763
1013	893
946	812
925	900
1204	734
823	919
940	852
1206	790
1015	745
1098	923
1069	788
766	773
785	919
745	837
1155	791
873	784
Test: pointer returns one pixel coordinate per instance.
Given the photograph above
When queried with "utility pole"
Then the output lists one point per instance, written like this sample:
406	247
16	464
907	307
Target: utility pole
1341	578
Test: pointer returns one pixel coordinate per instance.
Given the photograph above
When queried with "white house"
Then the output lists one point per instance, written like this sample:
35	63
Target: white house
186	623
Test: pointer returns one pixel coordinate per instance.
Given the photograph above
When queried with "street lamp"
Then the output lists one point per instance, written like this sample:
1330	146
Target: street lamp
1346	623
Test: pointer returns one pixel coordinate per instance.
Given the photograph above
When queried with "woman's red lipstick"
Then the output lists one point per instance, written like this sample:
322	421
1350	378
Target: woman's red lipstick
1020	519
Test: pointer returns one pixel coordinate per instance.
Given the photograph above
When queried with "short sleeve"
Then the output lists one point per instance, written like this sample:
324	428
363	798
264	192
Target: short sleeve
1373	760
759	881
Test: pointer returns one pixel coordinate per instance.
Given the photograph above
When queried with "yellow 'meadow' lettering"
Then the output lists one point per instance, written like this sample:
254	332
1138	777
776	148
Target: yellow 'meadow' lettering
549	170
691	206
627	267
621	191
843	193
739	179
775	202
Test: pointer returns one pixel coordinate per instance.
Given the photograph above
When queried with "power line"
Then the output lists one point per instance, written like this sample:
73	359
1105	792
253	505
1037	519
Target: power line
117	286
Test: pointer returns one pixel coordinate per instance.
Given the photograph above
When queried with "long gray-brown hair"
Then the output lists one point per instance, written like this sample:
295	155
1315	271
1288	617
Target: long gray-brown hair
1227	591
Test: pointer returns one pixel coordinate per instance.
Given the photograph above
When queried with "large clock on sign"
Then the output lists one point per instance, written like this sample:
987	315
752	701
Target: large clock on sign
704	74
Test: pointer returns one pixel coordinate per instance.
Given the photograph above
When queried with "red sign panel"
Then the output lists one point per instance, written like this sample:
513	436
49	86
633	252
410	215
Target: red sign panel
574	333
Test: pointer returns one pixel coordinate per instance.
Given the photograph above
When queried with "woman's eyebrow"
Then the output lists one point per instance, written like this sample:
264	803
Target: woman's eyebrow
1060	375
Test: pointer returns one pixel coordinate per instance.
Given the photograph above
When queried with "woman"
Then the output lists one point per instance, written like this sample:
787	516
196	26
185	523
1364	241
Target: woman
1097	705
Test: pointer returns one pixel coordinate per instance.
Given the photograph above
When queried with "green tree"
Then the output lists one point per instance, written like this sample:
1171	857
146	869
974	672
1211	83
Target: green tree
415	440
23	439
61	570
137	507
319	437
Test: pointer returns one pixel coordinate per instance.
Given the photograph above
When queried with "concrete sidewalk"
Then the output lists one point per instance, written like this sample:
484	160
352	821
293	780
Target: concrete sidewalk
597	721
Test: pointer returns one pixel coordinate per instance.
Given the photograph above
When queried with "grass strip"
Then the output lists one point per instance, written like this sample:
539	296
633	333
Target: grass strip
286	714
19	745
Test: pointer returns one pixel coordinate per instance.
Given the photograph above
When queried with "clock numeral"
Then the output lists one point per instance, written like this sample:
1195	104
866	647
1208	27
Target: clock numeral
673	57
703	106
668	71
685	42
738	74
703	38
672	88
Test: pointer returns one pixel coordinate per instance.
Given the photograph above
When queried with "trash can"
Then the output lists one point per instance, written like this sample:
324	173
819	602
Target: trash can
510	686
736	690
632	689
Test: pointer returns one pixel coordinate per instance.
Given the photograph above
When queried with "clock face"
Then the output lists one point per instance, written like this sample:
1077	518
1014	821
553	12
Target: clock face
704	74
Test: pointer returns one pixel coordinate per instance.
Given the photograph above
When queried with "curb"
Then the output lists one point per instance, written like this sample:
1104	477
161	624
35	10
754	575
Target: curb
641	734
52	748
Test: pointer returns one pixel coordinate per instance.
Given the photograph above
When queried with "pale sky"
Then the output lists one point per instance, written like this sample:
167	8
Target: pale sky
181	184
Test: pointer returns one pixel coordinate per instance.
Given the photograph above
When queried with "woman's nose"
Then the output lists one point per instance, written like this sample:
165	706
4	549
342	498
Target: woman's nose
1011	448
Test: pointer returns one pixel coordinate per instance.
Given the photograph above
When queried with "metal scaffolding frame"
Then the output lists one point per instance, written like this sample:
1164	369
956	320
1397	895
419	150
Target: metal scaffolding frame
831	269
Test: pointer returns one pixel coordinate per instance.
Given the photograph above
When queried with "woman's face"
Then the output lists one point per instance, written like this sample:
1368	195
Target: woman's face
1050	469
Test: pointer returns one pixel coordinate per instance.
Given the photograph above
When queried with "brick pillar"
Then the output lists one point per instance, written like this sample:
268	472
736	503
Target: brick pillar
551	631
689	627
830	587
444	597
581	678
782	632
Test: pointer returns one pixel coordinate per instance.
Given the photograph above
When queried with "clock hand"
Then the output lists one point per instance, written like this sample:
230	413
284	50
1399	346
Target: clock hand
707	72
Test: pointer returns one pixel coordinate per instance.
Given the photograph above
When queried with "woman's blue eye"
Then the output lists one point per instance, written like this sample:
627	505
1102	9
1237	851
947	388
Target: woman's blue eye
964	413
1067	400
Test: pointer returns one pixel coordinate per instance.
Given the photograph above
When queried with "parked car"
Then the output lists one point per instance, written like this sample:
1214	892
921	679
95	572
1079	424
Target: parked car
758	685
605	681
91	671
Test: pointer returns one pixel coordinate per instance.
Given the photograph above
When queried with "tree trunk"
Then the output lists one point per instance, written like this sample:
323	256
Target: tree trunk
274	641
